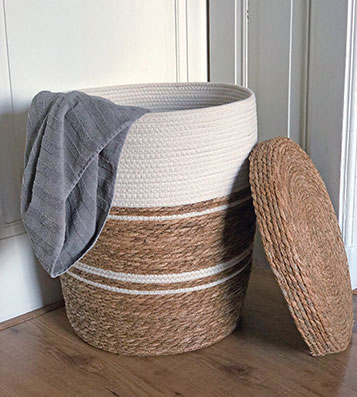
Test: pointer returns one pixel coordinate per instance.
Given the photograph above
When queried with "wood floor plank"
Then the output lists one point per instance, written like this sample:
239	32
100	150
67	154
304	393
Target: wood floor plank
265	356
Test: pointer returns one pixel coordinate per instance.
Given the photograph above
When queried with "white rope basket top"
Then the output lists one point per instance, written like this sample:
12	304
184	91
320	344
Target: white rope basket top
192	147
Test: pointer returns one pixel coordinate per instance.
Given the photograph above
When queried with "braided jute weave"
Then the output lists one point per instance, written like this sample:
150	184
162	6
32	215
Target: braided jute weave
303	243
170	269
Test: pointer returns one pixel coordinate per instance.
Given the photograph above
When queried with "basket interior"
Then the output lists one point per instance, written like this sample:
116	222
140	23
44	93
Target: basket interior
173	96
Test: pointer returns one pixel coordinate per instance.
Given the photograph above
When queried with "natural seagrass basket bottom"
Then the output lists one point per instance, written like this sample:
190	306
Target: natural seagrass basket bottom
154	324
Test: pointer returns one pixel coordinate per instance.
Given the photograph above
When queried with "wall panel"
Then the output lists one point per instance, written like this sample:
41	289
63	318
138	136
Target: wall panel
67	44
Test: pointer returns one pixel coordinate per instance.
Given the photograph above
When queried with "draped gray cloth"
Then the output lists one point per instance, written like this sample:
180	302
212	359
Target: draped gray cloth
72	152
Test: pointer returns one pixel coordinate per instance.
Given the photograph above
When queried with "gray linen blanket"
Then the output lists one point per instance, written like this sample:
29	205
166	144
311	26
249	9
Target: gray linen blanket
72	152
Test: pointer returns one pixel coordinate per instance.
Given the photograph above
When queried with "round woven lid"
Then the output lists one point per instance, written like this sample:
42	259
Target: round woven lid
303	243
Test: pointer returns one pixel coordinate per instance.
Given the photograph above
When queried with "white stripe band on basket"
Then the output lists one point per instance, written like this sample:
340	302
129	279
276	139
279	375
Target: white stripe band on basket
164	278
157	292
177	216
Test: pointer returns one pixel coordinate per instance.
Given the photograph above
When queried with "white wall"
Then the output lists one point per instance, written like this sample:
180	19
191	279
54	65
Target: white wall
24	285
68	44
327	59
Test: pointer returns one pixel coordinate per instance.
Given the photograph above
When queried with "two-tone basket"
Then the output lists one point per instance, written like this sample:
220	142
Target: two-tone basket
170	269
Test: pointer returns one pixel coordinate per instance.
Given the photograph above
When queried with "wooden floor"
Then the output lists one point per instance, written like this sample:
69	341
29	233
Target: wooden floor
264	357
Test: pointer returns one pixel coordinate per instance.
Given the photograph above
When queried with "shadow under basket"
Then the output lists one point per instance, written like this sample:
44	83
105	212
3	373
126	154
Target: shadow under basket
170	269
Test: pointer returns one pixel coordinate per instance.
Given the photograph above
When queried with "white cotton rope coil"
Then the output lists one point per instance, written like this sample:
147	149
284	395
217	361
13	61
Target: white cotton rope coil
187	215
160	291
206	131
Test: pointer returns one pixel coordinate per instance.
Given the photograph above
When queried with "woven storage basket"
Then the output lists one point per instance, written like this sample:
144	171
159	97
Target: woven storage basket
170	269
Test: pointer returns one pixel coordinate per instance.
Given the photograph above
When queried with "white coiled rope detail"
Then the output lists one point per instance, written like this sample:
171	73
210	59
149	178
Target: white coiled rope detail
178	216
157	292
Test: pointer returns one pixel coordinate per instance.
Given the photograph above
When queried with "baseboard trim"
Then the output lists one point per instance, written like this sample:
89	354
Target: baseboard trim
30	315
353	273
352	260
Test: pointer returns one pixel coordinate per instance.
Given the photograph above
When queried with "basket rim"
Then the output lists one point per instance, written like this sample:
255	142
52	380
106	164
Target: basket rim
226	107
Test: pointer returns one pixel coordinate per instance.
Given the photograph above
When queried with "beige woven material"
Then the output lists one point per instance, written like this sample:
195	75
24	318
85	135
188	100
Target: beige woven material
303	243
192	148
170	269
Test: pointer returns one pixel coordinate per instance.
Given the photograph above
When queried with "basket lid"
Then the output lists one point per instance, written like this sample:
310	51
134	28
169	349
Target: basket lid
303	243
